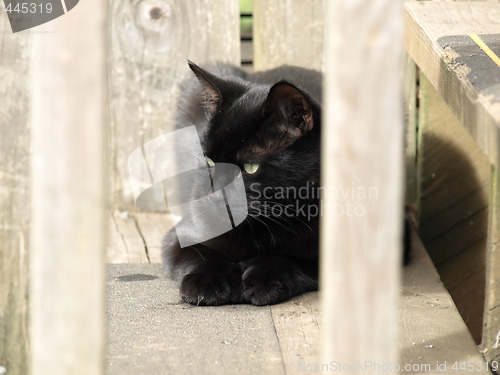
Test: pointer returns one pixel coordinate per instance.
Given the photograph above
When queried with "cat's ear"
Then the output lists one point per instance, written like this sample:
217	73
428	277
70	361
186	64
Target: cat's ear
287	116
289	107
210	83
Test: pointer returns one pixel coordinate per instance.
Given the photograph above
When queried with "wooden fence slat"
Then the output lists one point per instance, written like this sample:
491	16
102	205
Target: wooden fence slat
14	197
68	219
151	42
362	148
288	32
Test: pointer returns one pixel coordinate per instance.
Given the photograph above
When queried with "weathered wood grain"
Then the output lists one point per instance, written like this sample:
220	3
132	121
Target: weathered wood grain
426	22
116	247
152	331
137	238
152	228
15	50
453	187
68	199
298	325
362	146
135	246
288	32
151	42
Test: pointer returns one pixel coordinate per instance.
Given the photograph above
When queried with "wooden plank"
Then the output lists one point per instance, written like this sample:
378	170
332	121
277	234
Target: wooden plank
431	330
426	23
288	32
453	187
129	232
491	329
362	146
14	197
298	326
152	331
68	199
147	330
151	42
151	228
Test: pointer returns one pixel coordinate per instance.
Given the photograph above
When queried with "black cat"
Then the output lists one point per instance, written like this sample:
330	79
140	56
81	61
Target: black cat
268	124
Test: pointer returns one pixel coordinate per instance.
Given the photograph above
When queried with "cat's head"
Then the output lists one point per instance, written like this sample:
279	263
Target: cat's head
270	130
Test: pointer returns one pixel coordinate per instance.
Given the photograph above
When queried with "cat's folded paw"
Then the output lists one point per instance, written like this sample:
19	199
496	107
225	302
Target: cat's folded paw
263	287
210	289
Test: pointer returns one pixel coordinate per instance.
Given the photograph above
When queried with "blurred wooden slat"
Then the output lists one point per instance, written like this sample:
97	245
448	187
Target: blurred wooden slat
362	146
15	50
68	193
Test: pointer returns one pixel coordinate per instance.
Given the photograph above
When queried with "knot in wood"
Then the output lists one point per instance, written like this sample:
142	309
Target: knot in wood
155	13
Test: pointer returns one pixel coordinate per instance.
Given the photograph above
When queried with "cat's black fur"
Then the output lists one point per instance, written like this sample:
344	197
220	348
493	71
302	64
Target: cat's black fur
272	118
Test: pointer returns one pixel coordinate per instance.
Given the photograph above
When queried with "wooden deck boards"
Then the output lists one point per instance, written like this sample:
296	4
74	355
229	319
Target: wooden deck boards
151	331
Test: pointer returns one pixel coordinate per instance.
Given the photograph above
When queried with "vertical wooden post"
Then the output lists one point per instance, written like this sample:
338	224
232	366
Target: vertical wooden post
14	197
362	178
67	233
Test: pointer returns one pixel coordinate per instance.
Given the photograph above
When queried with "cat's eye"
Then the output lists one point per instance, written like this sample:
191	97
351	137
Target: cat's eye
209	161
251	168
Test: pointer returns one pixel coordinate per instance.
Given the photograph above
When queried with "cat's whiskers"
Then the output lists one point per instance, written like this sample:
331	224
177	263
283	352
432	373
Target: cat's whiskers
273	219
268	227
266	210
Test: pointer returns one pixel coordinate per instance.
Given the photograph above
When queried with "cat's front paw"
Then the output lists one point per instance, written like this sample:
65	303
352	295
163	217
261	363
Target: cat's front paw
210	289
264	287
273	279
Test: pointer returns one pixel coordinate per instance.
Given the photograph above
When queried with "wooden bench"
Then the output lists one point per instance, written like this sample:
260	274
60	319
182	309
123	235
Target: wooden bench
456	46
